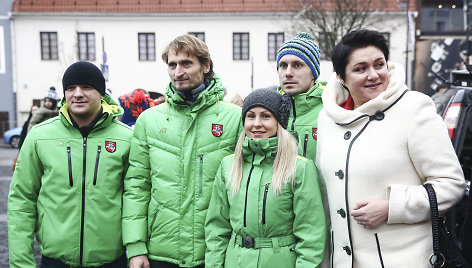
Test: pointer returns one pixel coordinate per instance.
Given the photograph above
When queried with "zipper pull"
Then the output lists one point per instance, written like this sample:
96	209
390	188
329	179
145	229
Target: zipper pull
201	158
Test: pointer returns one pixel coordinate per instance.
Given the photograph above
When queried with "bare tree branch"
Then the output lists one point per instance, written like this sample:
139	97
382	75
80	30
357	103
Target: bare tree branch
329	20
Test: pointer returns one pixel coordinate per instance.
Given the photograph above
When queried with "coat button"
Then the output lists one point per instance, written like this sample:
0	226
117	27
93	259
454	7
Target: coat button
379	115
340	174
347	135
348	250
183	262
342	213
256	144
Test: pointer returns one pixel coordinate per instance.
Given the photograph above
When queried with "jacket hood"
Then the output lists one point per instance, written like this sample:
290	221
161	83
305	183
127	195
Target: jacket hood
109	106
335	95
210	95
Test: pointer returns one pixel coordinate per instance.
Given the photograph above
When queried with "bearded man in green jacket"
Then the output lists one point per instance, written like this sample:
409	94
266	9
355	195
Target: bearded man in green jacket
68	182
175	153
298	66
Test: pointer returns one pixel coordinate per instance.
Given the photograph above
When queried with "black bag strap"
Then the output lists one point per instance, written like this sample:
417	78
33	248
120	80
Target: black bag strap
433	203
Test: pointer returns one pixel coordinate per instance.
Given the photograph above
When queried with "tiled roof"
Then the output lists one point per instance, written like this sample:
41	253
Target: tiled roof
177	6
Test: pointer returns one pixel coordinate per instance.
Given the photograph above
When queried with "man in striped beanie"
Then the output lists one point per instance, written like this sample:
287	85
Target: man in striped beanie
298	66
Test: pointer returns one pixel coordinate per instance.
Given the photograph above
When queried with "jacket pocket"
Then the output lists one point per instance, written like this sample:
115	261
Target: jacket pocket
379	250
96	165
69	164
264	203
152	224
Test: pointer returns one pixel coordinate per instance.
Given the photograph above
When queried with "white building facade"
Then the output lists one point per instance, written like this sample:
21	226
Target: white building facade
39	63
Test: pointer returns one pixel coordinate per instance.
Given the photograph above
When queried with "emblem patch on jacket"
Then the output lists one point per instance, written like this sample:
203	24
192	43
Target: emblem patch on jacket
315	134
110	146
217	130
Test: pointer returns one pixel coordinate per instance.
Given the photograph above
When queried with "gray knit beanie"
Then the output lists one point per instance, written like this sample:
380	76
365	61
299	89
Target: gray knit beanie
303	45
279	105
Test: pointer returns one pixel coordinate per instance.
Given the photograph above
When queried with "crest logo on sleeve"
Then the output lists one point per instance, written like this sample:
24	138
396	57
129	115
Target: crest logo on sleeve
110	146
217	130
315	133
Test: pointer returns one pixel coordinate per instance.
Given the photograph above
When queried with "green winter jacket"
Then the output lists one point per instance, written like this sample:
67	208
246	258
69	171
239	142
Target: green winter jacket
303	121
176	151
68	190
289	231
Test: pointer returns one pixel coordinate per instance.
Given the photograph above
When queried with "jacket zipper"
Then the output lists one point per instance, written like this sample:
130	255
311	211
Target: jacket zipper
247	188
305	144
294	114
82	219
96	165
201	173
379	251
264	203
69	162
332	249
152	223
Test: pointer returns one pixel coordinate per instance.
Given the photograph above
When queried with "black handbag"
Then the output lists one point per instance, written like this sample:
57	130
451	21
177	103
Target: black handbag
446	253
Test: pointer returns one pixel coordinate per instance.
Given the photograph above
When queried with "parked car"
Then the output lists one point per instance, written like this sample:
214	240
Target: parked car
455	107
12	137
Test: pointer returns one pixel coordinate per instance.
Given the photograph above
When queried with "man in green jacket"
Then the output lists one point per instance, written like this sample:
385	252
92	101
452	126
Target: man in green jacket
68	182
298	66
175	153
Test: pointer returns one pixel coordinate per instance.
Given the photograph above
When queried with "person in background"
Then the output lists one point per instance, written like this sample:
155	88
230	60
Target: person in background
175	152
68	182
266	208
47	110
378	143
24	131
134	103
298	67
234	97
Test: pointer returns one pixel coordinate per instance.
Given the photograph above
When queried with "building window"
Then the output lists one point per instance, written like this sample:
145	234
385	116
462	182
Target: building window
199	35
274	42
147	46
49	49
240	46
323	42
86	46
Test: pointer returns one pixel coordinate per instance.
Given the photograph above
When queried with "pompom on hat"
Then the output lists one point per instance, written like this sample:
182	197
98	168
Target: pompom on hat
51	94
303	45
84	73
279	105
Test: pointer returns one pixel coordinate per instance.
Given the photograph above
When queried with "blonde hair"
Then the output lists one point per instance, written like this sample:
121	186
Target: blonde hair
284	167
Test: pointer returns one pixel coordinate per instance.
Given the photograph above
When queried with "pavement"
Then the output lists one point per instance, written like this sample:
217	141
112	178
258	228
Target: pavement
7	154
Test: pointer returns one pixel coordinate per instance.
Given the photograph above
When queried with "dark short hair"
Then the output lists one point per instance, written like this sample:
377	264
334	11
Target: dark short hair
352	41
192	45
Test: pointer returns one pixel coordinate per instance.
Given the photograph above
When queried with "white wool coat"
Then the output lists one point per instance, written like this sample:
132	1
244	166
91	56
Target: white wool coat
385	149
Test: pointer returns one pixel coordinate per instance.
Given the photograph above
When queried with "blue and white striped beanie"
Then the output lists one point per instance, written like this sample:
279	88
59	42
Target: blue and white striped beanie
303	45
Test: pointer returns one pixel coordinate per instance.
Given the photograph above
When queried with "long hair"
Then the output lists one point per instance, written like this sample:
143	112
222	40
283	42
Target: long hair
284	167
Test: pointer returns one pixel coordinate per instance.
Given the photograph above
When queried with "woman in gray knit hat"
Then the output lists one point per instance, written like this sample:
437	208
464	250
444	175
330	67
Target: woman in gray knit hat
266	208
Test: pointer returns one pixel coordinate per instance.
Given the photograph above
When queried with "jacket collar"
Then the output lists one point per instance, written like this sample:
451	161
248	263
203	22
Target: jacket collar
210	95
109	107
264	149
304	102
335	95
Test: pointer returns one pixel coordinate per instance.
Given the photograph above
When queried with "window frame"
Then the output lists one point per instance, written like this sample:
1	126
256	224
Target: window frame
199	35
241	56
90	46
52	52
274	45
150	53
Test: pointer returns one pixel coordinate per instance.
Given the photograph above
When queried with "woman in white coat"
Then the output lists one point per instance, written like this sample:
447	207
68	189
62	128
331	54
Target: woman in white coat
378	143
